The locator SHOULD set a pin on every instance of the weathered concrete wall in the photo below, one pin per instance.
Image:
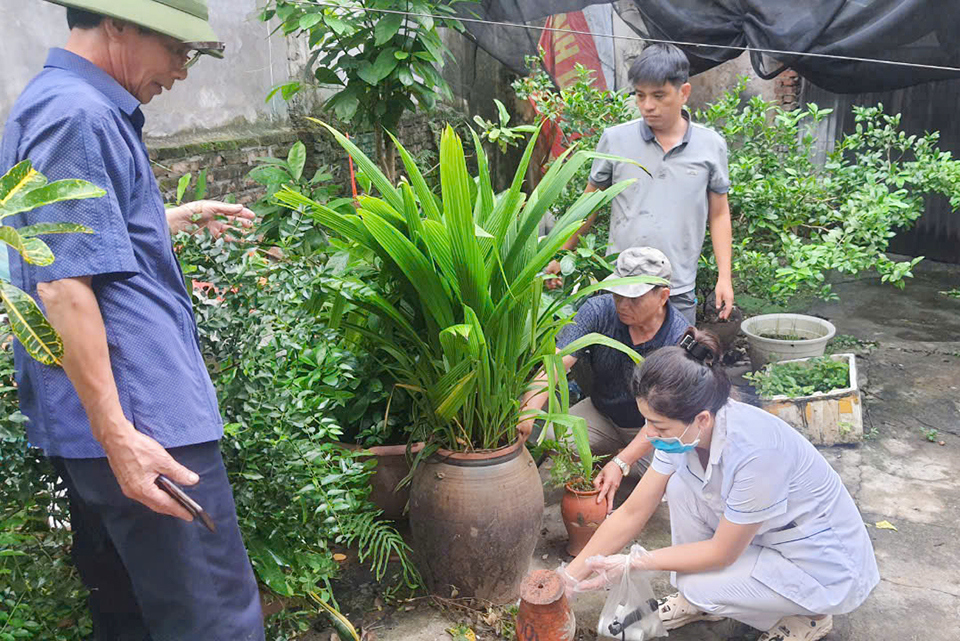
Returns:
(710, 85)
(223, 95)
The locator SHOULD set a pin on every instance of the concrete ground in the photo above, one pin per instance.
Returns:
(911, 388)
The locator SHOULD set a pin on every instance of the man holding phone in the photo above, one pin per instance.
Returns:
(133, 401)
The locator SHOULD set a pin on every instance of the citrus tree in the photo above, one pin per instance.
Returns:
(23, 189)
(796, 221)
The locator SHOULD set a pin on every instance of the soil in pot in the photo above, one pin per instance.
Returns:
(581, 515)
(782, 337)
(475, 520)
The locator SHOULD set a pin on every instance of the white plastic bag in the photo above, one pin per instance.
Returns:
(631, 612)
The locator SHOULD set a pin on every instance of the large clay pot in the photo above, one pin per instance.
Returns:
(581, 515)
(475, 520)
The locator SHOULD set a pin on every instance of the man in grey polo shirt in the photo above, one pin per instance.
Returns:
(687, 186)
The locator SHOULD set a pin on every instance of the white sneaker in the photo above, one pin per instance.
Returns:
(676, 612)
(799, 628)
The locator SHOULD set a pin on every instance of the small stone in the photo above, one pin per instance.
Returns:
(942, 443)
(547, 556)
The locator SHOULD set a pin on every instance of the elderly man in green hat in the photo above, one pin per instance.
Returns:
(133, 404)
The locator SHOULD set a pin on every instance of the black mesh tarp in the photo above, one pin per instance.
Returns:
(925, 32)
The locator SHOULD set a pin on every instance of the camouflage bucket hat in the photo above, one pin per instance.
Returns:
(638, 261)
(184, 20)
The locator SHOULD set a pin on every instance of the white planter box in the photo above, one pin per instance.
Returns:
(825, 418)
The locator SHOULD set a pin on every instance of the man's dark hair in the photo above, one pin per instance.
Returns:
(659, 64)
(80, 19)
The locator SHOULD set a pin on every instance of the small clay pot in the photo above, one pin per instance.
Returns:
(544, 614)
(582, 515)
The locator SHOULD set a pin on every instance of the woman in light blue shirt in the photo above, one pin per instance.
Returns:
(763, 529)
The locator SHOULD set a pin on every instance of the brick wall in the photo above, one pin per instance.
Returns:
(787, 89)
(229, 160)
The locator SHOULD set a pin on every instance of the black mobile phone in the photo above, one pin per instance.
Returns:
(188, 503)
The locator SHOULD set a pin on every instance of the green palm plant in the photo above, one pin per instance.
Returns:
(459, 314)
(23, 189)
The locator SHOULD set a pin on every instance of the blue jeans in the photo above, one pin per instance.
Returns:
(154, 577)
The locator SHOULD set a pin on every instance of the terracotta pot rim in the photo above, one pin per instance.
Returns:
(394, 450)
(480, 455)
(383, 450)
(592, 492)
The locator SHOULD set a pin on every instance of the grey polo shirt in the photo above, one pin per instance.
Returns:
(667, 210)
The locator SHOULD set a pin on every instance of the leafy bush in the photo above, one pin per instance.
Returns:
(383, 64)
(821, 374)
(23, 189)
(289, 387)
(41, 596)
(282, 377)
(795, 221)
(580, 112)
(276, 224)
(573, 465)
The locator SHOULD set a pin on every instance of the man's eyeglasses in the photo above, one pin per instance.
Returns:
(197, 49)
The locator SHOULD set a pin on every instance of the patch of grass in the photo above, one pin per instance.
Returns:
(848, 343)
(931, 434)
(951, 293)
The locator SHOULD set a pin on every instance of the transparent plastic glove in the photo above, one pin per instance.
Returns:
(570, 584)
(609, 569)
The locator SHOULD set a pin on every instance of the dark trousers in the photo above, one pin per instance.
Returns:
(158, 578)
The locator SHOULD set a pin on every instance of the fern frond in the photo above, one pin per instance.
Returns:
(378, 541)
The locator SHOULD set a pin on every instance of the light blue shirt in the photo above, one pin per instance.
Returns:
(815, 548)
(75, 121)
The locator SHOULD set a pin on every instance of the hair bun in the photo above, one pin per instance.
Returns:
(702, 346)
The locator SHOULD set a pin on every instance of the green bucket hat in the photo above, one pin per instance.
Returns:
(184, 20)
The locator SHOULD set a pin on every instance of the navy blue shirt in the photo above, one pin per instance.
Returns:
(613, 370)
(75, 121)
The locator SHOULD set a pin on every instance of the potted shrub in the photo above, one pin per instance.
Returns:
(574, 469)
(818, 396)
(460, 320)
